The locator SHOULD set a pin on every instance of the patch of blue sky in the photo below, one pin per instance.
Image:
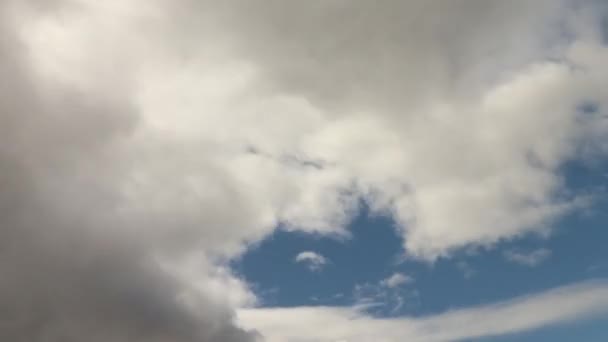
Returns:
(368, 255)
(593, 330)
(357, 266)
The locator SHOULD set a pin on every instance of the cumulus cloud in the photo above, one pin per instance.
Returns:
(84, 259)
(560, 305)
(456, 124)
(146, 142)
(313, 260)
(531, 258)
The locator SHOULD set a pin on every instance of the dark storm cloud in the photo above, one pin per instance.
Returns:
(67, 271)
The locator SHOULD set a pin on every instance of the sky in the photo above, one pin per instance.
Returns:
(303, 171)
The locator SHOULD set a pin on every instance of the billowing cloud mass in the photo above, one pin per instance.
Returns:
(143, 143)
(84, 256)
(453, 118)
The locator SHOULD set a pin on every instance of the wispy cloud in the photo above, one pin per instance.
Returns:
(467, 270)
(396, 280)
(528, 258)
(561, 305)
(387, 296)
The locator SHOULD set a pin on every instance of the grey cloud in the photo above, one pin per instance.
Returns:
(70, 270)
(388, 54)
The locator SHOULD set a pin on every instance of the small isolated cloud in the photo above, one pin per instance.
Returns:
(396, 280)
(314, 261)
(530, 259)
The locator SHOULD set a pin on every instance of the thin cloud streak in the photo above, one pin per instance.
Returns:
(557, 306)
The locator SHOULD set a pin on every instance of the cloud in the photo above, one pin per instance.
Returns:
(351, 99)
(396, 280)
(84, 259)
(531, 259)
(144, 143)
(314, 261)
(389, 296)
(557, 306)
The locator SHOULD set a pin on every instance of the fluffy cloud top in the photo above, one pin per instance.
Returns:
(456, 124)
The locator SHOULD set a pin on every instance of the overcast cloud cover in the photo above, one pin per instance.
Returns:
(145, 143)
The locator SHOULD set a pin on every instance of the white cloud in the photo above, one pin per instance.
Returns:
(313, 260)
(294, 125)
(531, 258)
(557, 306)
(396, 280)
(334, 114)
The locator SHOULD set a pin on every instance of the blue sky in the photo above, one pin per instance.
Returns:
(576, 251)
